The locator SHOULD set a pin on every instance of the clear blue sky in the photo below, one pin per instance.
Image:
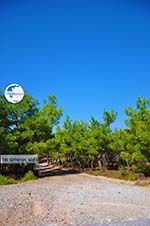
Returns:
(91, 54)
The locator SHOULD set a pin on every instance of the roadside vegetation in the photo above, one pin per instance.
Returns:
(94, 147)
(116, 174)
(5, 180)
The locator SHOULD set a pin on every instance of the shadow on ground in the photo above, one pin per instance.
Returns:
(57, 172)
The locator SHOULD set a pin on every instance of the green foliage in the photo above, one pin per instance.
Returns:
(132, 177)
(80, 142)
(6, 180)
(12, 116)
(28, 176)
(26, 128)
(123, 171)
(109, 117)
(138, 134)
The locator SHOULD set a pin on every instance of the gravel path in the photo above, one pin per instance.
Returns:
(72, 200)
(144, 222)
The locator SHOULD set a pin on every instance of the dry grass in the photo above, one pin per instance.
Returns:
(144, 182)
(115, 174)
(138, 179)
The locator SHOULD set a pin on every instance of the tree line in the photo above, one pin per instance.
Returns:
(26, 128)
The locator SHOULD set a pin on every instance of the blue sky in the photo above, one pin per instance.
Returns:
(91, 54)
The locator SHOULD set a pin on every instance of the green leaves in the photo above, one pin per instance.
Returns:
(109, 117)
(138, 135)
(80, 142)
(26, 128)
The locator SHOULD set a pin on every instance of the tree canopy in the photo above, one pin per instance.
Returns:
(27, 128)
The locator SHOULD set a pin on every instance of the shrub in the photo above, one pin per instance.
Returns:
(123, 171)
(132, 177)
(6, 180)
(28, 176)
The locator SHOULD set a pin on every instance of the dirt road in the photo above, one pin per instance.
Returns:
(72, 200)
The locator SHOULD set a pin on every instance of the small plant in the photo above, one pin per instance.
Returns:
(6, 180)
(123, 171)
(28, 176)
(132, 177)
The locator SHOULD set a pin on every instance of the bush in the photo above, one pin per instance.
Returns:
(6, 180)
(132, 177)
(136, 169)
(123, 171)
(28, 176)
